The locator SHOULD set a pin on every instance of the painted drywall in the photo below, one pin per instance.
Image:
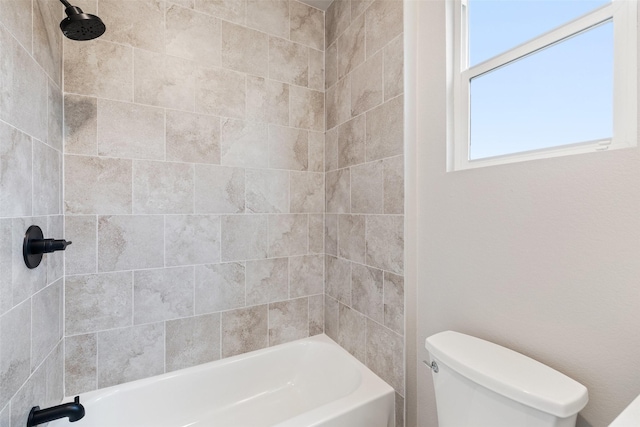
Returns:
(541, 256)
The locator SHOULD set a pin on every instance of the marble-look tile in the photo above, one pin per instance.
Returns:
(192, 341)
(80, 363)
(220, 92)
(394, 302)
(54, 368)
(17, 17)
(338, 103)
(16, 165)
(47, 322)
(337, 19)
(307, 108)
(24, 91)
(15, 350)
(129, 354)
(244, 237)
(307, 192)
(55, 261)
(162, 294)
(359, 6)
(270, 16)
(384, 23)
(230, 10)
(80, 258)
(245, 50)
(316, 233)
(316, 315)
(163, 80)
(55, 115)
(316, 69)
(80, 125)
(130, 130)
(351, 47)
(394, 185)
(192, 138)
(394, 68)
(399, 404)
(191, 239)
(331, 317)
(307, 25)
(194, 36)
(47, 38)
(138, 23)
(288, 61)
(97, 185)
(352, 332)
(306, 275)
(331, 66)
(162, 187)
(351, 142)
(351, 237)
(33, 390)
(5, 416)
(267, 191)
(219, 287)
(267, 280)
(128, 242)
(385, 354)
(288, 321)
(338, 188)
(189, 4)
(338, 278)
(219, 189)
(244, 330)
(244, 144)
(331, 150)
(288, 148)
(367, 192)
(267, 101)
(367, 291)
(316, 151)
(331, 234)
(367, 85)
(384, 130)
(288, 235)
(46, 179)
(99, 68)
(98, 301)
(385, 242)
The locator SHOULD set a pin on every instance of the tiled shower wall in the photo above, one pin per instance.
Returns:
(364, 243)
(194, 185)
(31, 349)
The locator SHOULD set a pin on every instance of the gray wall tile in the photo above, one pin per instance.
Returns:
(385, 242)
(192, 341)
(367, 291)
(220, 92)
(306, 275)
(80, 363)
(129, 354)
(219, 287)
(126, 242)
(16, 161)
(219, 189)
(270, 16)
(307, 25)
(163, 294)
(192, 138)
(288, 235)
(384, 130)
(288, 320)
(192, 239)
(244, 237)
(267, 280)
(15, 348)
(162, 187)
(351, 237)
(307, 192)
(267, 191)
(98, 301)
(80, 125)
(385, 354)
(81, 256)
(194, 36)
(288, 61)
(244, 49)
(244, 330)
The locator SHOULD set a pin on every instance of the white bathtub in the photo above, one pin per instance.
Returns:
(310, 382)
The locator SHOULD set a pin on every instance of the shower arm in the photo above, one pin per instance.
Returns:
(65, 3)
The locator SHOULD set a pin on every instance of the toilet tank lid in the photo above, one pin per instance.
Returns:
(509, 373)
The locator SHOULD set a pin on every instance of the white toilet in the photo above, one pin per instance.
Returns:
(481, 384)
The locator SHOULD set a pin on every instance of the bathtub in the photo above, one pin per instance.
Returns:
(310, 382)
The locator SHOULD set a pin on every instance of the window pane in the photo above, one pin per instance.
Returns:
(560, 95)
(499, 25)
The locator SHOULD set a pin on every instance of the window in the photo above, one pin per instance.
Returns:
(541, 78)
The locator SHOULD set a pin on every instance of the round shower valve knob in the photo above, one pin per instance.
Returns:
(35, 246)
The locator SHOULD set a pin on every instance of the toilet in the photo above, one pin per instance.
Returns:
(481, 384)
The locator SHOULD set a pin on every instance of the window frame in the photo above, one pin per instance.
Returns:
(623, 14)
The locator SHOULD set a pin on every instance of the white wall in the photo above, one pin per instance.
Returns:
(542, 257)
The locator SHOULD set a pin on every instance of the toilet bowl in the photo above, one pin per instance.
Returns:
(481, 384)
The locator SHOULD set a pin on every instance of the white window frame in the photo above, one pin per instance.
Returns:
(623, 14)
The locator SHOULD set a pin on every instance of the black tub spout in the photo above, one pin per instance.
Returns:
(74, 411)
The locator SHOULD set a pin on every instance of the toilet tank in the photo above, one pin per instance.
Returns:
(481, 384)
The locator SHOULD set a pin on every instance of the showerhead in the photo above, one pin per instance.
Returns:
(79, 25)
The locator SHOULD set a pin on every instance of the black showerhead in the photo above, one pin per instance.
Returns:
(79, 25)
